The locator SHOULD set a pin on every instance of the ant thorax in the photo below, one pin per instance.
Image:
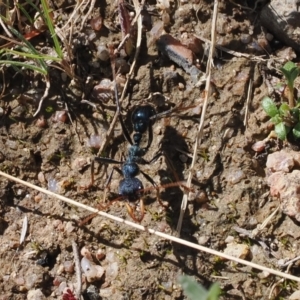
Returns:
(135, 153)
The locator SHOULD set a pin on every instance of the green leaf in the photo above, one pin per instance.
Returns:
(289, 66)
(276, 119)
(294, 74)
(284, 109)
(214, 292)
(24, 65)
(296, 131)
(287, 75)
(281, 130)
(49, 109)
(290, 71)
(269, 107)
(192, 289)
(49, 22)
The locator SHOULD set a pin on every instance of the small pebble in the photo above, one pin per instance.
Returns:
(95, 141)
(41, 122)
(85, 252)
(238, 250)
(11, 144)
(263, 274)
(60, 116)
(38, 198)
(122, 65)
(269, 37)
(236, 176)
(79, 163)
(69, 227)
(280, 161)
(203, 240)
(168, 286)
(259, 146)
(96, 23)
(295, 296)
(53, 185)
(104, 90)
(102, 53)
(111, 271)
(41, 177)
(100, 254)
(181, 86)
(60, 269)
(35, 295)
(58, 280)
(19, 281)
(91, 271)
(183, 158)
(246, 38)
(201, 197)
(69, 266)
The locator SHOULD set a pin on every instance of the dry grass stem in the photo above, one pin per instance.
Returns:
(265, 222)
(152, 231)
(202, 118)
(234, 53)
(77, 269)
(85, 17)
(74, 13)
(249, 94)
(137, 7)
(5, 28)
(46, 93)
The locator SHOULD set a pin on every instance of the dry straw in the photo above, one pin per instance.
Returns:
(203, 113)
(152, 231)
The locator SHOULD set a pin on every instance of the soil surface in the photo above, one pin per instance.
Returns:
(53, 150)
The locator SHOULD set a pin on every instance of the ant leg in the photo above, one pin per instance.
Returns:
(131, 211)
(150, 137)
(156, 187)
(101, 206)
(104, 160)
(125, 130)
(109, 180)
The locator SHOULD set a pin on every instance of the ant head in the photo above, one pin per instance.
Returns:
(141, 117)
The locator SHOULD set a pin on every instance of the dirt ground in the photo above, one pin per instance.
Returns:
(53, 151)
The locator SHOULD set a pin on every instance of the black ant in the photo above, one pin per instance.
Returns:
(130, 187)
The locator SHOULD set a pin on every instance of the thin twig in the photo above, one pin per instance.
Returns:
(234, 53)
(280, 281)
(5, 28)
(265, 223)
(287, 263)
(92, 5)
(248, 102)
(137, 7)
(77, 269)
(152, 231)
(76, 11)
(46, 93)
(202, 118)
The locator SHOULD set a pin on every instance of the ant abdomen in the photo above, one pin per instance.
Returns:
(130, 188)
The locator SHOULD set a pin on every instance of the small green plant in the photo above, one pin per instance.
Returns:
(194, 291)
(286, 118)
(34, 60)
